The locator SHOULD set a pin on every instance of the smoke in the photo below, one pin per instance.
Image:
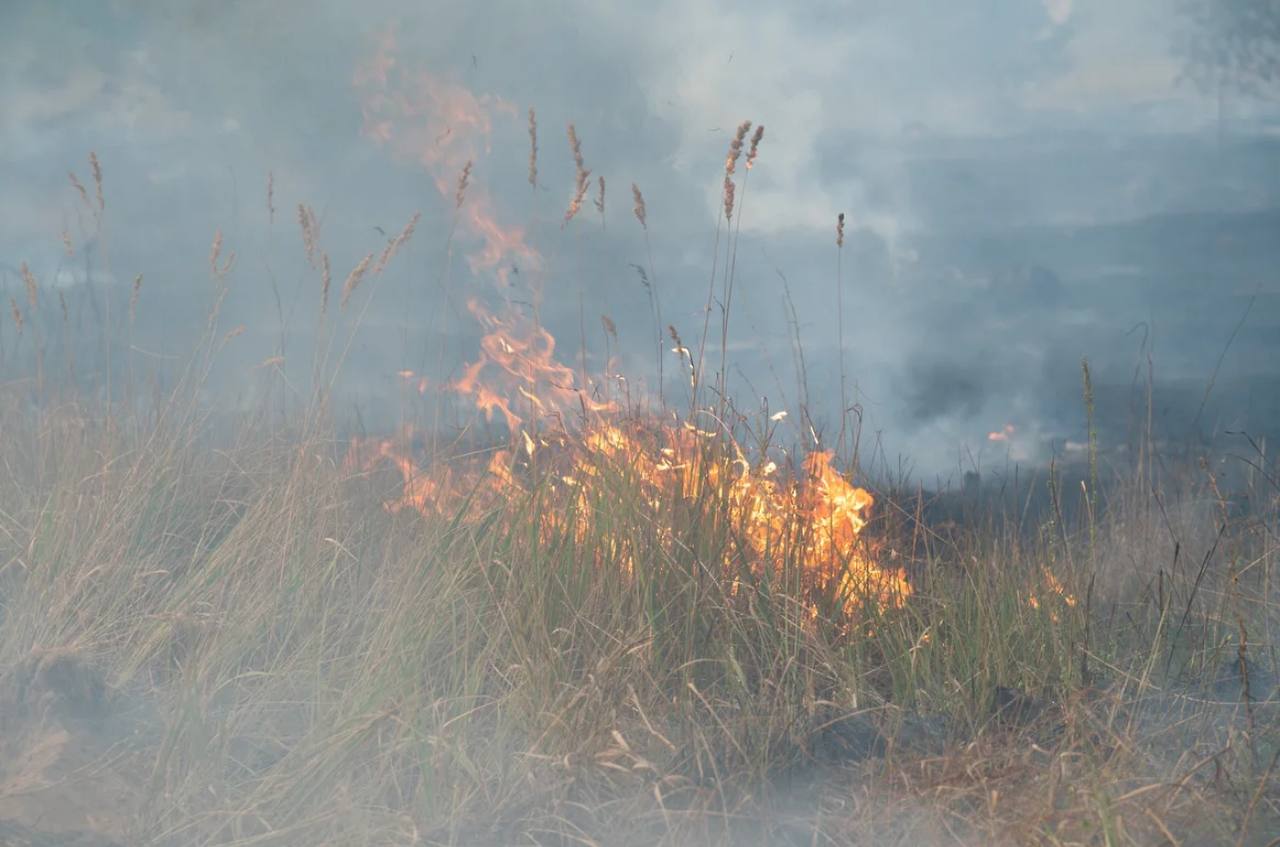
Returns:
(1040, 190)
(941, 389)
(1059, 11)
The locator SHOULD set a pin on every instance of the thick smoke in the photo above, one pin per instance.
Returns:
(1042, 189)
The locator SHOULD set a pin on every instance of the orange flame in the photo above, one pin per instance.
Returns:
(1002, 434)
(442, 126)
(815, 519)
(1054, 590)
(518, 356)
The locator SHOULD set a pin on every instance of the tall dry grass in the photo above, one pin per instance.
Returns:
(282, 661)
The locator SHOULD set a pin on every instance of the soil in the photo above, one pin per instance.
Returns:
(67, 776)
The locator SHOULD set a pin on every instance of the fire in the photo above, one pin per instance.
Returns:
(518, 357)
(441, 125)
(1004, 434)
(1054, 590)
(815, 519)
(569, 445)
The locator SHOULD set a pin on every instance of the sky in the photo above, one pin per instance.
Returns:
(1026, 184)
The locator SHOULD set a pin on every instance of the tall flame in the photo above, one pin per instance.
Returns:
(445, 128)
(442, 126)
(567, 440)
(518, 357)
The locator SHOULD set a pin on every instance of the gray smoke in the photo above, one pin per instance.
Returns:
(1025, 187)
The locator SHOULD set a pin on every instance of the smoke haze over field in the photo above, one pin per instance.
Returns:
(1026, 184)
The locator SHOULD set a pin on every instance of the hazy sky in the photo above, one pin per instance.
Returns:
(1025, 182)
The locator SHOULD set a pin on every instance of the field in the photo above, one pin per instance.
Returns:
(631, 619)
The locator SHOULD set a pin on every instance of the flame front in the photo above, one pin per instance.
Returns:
(813, 520)
(571, 454)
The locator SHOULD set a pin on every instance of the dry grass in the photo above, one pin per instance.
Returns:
(311, 669)
(533, 149)
(397, 242)
(581, 176)
(353, 279)
(211, 632)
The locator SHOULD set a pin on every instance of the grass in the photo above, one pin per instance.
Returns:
(265, 655)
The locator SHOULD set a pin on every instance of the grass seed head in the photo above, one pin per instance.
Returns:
(735, 148)
(33, 288)
(79, 187)
(533, 149)
(307, 223)
(755, 146)
(394, 245)
(96, 167)
(639, 207)
(464, 179)
(582, 177)
(353, 279)
(325, 278)
(215, 250)
(271, 193)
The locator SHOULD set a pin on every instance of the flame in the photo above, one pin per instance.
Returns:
(567, 441)
(518, 358)
(1054, 590)
(815, 519)
(445, 128)
(442, 126)
(1002, 434)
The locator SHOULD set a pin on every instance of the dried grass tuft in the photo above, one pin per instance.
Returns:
(33, 287)
(394, 245)
(97, 180)
(731, 165)
(271, 194)
(533, 149)
(464, 179)
(215, 251)
(582, 178)
(307, 222)
(729, 190)
(840, 230)
(639, 207)
(325, 278)
(735, 148)
(353, 279)
(756, 138)
(79, 187)
(17, 314)
(600, 197)
(643, 274)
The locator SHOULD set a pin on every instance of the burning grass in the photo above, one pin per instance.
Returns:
(277, 658)
(679, 482)
(616, 625)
